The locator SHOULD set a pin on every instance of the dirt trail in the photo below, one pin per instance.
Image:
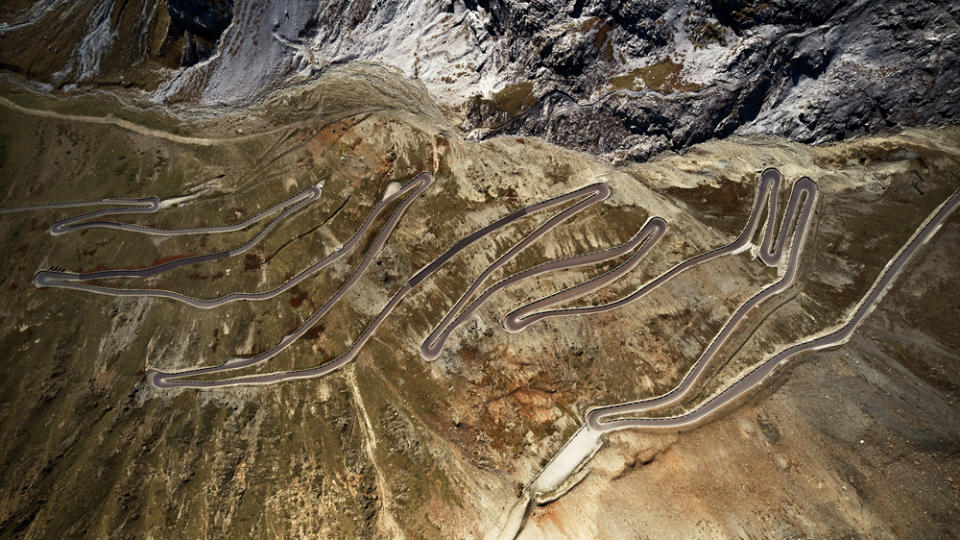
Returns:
(143, 130)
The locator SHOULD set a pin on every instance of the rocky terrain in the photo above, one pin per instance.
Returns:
(624, 79)
(246, 104)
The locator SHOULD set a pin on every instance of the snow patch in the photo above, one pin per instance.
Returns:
(85, 60)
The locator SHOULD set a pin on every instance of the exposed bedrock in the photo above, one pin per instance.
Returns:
(683, 73)
(200, 23)
(662, 75)
(810, 71)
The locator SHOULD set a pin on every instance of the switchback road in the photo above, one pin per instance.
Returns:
(774, 247)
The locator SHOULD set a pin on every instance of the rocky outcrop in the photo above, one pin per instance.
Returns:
(624, 79)
(200, 24)
(669, 78)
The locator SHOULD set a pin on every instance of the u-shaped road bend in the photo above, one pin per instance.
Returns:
(767, 191)
(804, 190)
(647, 237)
(308, 195)
(70, 280)
(642, 242)
(148, 205)
(74, 281)
(756, 376)
(145, 205)
(589, 195)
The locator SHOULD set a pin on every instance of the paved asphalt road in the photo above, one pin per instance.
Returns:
(805, 192)
(69, 280)
(589, 195)
(767, 190)
(756, 376)
(771, 251)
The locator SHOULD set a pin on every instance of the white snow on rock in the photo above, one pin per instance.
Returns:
(263, 44)
(85, 60)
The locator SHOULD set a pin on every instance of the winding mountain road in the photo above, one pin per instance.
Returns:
(754, 377)
(70, 280)
(771, 253)
(586, 197)
(582, 444)
(776, 245)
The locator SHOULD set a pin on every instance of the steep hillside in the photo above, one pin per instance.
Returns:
(392, 445)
